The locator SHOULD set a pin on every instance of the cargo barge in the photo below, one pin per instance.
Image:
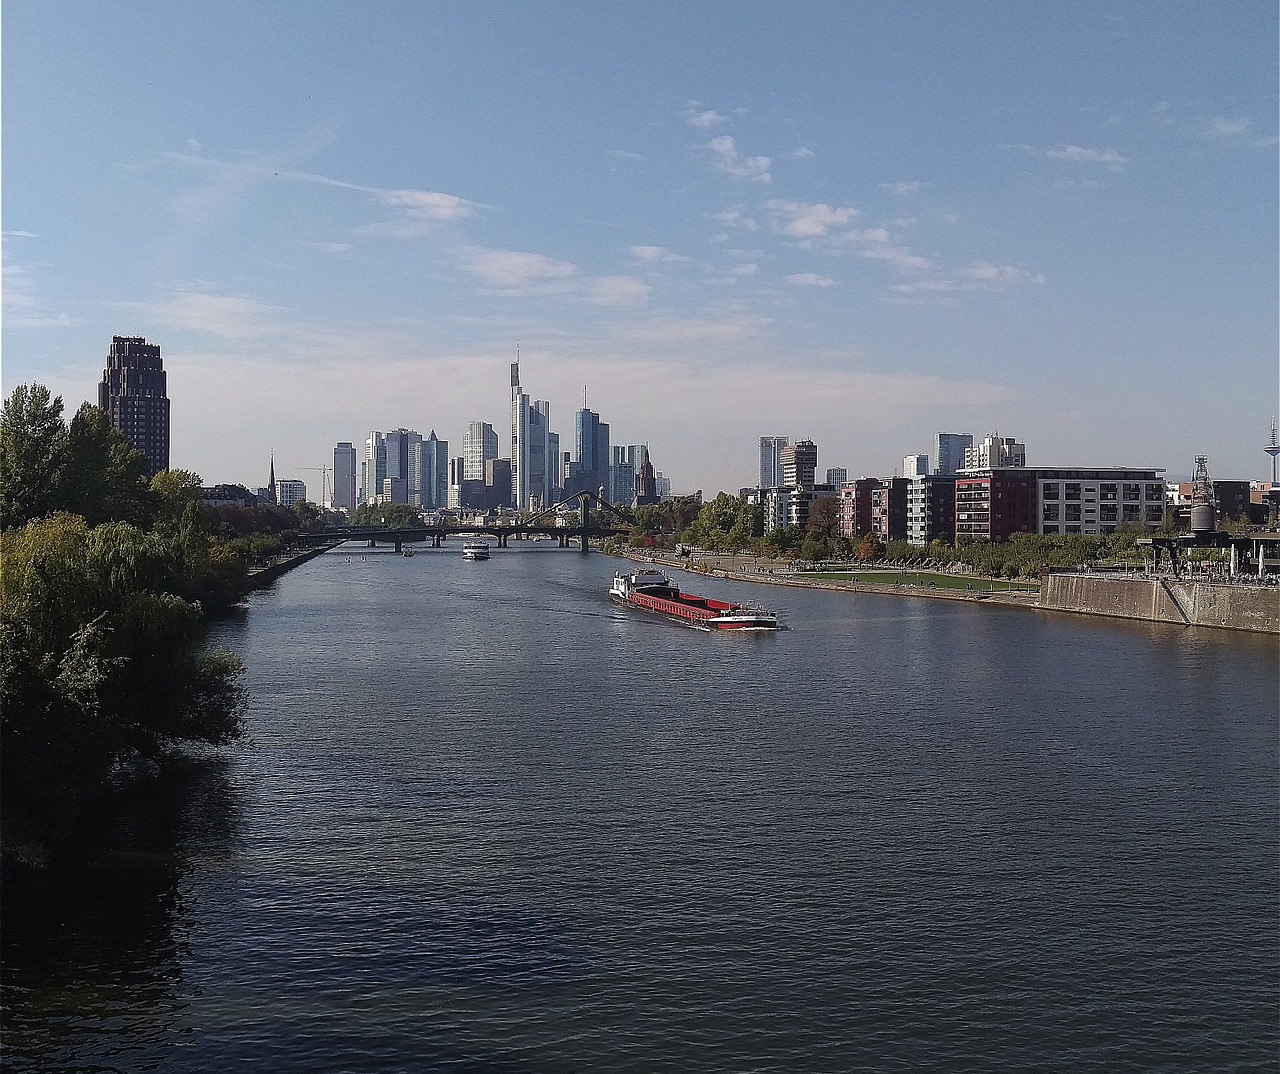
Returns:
(652, 590)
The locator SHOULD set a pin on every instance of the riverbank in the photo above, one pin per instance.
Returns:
(1254, 609)
(773, 572)
(267, 573)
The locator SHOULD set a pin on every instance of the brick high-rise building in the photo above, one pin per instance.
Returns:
(133, 394)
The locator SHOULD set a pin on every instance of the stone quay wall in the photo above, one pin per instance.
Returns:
(1165, 600)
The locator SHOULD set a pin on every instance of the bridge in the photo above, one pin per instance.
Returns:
(502, 531)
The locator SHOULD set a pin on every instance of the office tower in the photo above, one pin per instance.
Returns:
(497, 483)
(344, 477)
(401, 449)
(837, 475)
(373, 468)
(591, 446)
(948, 452)
(994, 451)
(132, 393)
(429, 460)
(771, 461)
(915, 466)
(799, 461)
(479, 445)
(534, 449)
(622, 476)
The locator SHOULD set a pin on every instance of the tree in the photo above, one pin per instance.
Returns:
(33, 441)
(100, 661)
(824, 517)
(105, 477)
(870, 547)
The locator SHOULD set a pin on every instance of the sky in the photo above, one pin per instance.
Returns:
(859, 223)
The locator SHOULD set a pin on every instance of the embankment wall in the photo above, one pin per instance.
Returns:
(1163, 600)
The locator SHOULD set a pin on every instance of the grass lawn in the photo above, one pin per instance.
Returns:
(923, 580)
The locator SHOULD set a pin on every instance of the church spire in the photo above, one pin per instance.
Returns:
(271, 481)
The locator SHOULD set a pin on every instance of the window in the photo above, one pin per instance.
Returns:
(1073, 490)
(1107, 492)
(1051, 514)
(1155, 492)
(1073, 514)
(1132, 492)
(1051, 490)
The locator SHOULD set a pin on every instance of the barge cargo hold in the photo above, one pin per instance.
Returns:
(652, 590)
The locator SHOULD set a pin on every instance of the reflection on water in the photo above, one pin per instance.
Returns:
(492, 822)
(94, 945)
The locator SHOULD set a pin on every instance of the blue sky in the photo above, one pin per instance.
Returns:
(860, 223)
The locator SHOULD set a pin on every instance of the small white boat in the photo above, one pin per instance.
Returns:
(475, 550)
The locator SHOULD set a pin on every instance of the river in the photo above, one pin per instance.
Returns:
(490, 822)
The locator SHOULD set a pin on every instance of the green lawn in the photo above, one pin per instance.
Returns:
(923, 580)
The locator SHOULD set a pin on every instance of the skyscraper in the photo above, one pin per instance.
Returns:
(534, 449)
(344, 477)
(799, 462)
(133, 394)
(771, 461)
(479, 445)
(948, 452)
(373, 468)
(995, 451)
(429, 460)
(591, 441)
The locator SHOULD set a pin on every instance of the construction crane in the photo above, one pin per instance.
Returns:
(326, 489)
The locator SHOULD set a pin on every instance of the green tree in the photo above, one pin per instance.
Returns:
(105, 477)
(824, 517)
(33, 442)
(100, 662)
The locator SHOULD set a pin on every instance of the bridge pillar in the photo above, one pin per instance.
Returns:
(372, 543)
(435, 540)
(502, 540)
(399, 546)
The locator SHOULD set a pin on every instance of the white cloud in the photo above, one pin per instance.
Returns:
(736, 217)
(653, 254)
(901, 259)
(1228, 128)
(623, 154)
(618, 291)
(810, 279)
(427, 204)
(903, 187)
(511, 270)
(703, 118)
(22, 309)
(1076, 154)
(803, 153)
(807, 220)
(325, 247)
(725, 327)
(748, 269)
(726, 157)
(235, 318)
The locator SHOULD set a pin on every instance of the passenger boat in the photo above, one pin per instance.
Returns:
(650, 589)
(475, 550)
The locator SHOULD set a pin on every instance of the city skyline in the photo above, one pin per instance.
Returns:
(856, 224)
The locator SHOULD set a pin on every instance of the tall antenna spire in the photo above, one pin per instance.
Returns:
(1273, 449)
(584, 397)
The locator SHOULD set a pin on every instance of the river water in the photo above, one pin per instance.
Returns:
(490, 822)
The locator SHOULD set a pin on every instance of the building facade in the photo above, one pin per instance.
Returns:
(837, 476)
(993, 452)
(771, 461)
(534, 449)
(344, 477)
(290, 491)
(948, 452)
(799, 464)
(479, 445)
(931, 509)
(133, 393)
